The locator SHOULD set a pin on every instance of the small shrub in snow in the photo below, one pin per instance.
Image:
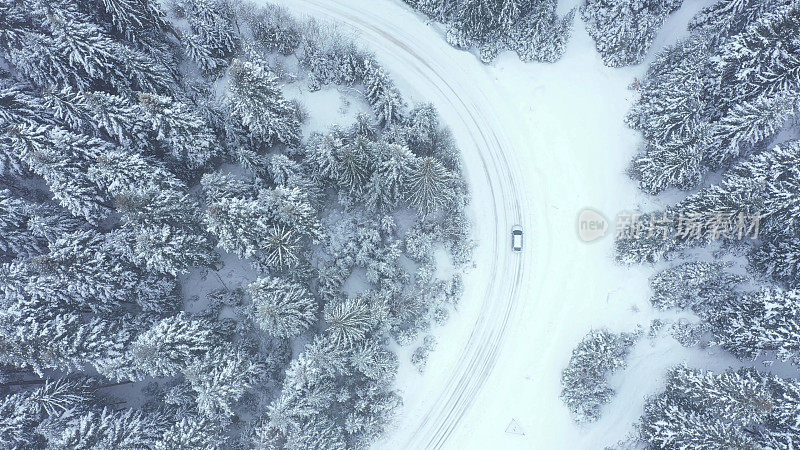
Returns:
(420, 356)
(688, 334)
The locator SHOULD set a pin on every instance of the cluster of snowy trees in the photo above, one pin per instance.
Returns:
(730, 108)
(720, 95)
(718, 112)
(623, 30)
(730, 409)
(146, 145)
(749, 323)
(530, 28)
(584, 384)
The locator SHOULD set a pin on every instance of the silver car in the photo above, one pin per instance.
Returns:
(516, 238)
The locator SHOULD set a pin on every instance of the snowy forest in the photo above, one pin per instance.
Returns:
(623, 30)
(224, 226)
(718, 112)
(187, 261)
(530, 28)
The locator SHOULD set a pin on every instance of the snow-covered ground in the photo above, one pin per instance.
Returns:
(540, 142)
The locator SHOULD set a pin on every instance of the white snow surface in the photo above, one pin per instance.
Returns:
(540, 142)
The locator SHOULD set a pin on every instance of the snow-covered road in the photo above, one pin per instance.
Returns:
(540, 142)
(496, 182)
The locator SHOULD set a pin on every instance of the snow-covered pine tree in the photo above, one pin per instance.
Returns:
(764, 185)
(51, 222)
(420, 356)
(79, 272)
(529, 27)
(712, 99)
(119, 171)
(349, 320)
(218, 185)
(275, 29)
(375, 412)
(540, 35)
(43, 341)
(17, 239)
(424, 135)
(62, 159)
(305, 412)
(65, 48)
(107, 116)
(319, 433)
(236, 224)
(291, 208)
(477, 20)
(624, 30)
(390, 179)
(256, 100)
(353, 164)
(162, 228)
(288, 173)
(764, 59)
(281, 248)
(137, 20)
(270, 230)
(252, 161)
(127, 428)
(439, 10)
(758, 71)
(221, 379)
(186, 134)
(171, 345)
(330, 57)
(673, 112)
(282, 307)
(758, 195)
(192, 433)
(308, 391)
(429, 185)
(729, 17)
(211, 38)
(29, 417)
(19, 104)
(748, 124)
(381, 94)
(321, 155)
(779, 257)
(375, 361)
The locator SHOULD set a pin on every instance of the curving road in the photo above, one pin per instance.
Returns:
(495, 182)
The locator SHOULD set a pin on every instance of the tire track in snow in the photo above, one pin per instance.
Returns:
(501, 296)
